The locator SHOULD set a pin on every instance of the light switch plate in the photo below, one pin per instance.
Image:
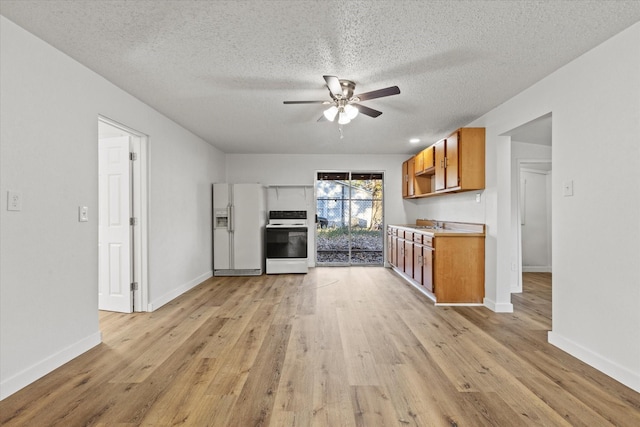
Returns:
(14, 200)
(83, 214)
(567, 188)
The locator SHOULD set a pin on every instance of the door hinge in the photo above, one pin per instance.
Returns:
(134, 286)
(133, 221)
(133, 156)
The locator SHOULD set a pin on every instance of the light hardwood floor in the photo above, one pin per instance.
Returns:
(335, 347)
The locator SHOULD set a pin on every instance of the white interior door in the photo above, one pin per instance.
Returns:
(114, 230)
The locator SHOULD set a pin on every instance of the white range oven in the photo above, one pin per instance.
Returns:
(286, 242)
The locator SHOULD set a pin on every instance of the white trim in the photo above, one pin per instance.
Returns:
(460, 304)
(498, 308)
(536, 269)
(617, 372)
(43, 367)
(162, 300)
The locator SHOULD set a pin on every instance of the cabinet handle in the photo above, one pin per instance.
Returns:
(446, 162)
(441, 163)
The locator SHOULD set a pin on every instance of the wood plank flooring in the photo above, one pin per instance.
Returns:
(336, 347)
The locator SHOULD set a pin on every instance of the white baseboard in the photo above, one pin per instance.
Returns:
(536, 269)
(498, 307)
(619, 373)
(42, 368)
(162, 300)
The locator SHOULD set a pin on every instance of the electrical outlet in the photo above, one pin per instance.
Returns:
(478, 198)
(14, 200)
(83, 214)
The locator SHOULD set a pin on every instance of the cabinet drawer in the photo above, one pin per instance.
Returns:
(408, 235)
(417, 237)
(427, 241)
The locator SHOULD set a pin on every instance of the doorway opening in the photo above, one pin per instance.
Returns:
(349, 206)
(122, 218)
(531, 210)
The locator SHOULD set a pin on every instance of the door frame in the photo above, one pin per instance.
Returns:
(315, 207)
(140, 209)
(522, 167)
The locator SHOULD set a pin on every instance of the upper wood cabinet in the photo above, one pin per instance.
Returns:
(405, 178)
(408, 178)
(425, 161)
(419, 163)
(453, 164)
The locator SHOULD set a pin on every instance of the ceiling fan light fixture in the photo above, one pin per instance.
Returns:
(331, 112)
(351, 111)
(343, 118)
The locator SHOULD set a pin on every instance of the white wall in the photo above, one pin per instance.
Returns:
(49, 261)
(595, 101)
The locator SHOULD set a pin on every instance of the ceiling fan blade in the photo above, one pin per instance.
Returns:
(305, 102)
(388, 91)
(322, 119)
(333, 83)
(367, 111)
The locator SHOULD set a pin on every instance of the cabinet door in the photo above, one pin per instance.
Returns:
(411, 176)
(427, 269)
(394, 250)
(428, 159)
(417, 263)
(408, 258)
(440, 170)
(419, 163)
(451, 161)
(405, 178)
(400, 256)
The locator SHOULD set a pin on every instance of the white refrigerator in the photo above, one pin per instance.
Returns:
(239, 217)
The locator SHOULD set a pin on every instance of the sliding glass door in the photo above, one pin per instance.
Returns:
(350, 221)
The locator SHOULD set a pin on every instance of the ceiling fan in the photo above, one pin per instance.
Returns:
(344, 104)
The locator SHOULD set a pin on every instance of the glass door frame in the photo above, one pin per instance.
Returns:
(350, 200)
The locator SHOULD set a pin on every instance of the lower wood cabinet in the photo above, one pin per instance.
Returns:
(447, 266)
(392, 246)
(408, 253)
(423, 262)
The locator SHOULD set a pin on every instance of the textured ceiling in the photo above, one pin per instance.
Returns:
(222, 68)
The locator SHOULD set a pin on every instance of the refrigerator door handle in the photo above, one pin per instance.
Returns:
(230, 213)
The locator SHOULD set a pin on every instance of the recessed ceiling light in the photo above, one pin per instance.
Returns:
(414, 140)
